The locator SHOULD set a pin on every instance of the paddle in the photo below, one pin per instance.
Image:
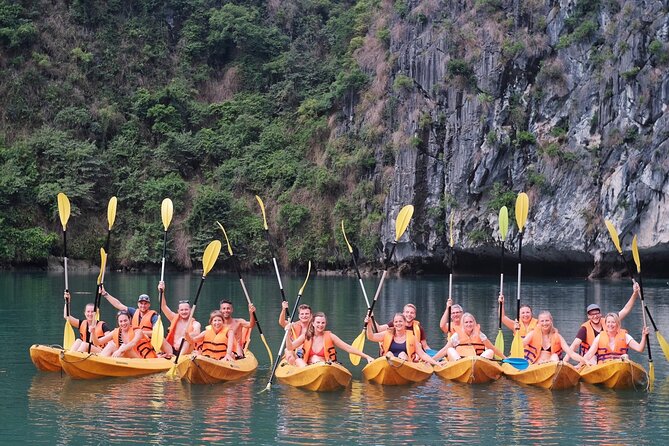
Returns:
(503, 230)
(285, 334)
(246, 293)
(450, 276)
(208, 259)
(518, 363)
(637, 261)
(271, 248)
(103, 262)
(158, 332)
(401, 224)
(355, 359)
(614, 237)
(522, 208)
(64, 214)
(111, 217)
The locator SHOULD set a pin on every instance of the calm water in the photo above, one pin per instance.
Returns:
(52, 409)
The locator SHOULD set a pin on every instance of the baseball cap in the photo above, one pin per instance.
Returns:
(592, 307)
(144, 298)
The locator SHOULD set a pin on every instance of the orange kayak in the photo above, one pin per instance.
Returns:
(46, 357)
(395, 371)
(616, 374)
(549, 375)
(469, 370)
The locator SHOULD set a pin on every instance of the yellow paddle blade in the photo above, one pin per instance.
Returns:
(111, 212)
(157, 335)
(651, 374)
(663, 344)
(264, 216)
(343, 231)
(210, 255)
(226, 238)
(635, 254)
(522, 209)
(402, 222)
(166, 212)
(63, 210)
(103, 264)
(614, 235)
(306, 279)
(172, 372)
(450, 229)
(517, 346)
(358, 343)
(68, 336)
(503, 222)
(499, 341)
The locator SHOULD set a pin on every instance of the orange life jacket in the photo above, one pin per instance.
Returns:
(534, 348)
(410, 344)
(415, 328)
(145, 322)
(470, 345)
(589, 337)
(604, 352)
(172, 330)
(525, 329)
(83, 330)
(143, 347)
(215, 345)
(330, 353)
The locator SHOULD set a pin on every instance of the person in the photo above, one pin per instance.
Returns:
(216, 341)
(525, 325)
(593, 326)
(613, 342)
(399, 342)
(125, 340)
(296, 328)
(84, 343)
(409, 312)
(241, 327)
(178, 324)
(320, 345)
(468, 340)
(545, 344)
(456, 318)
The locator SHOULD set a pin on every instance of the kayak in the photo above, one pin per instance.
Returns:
(46, 357)
(396, 372)
(549, 375)
(318, 377)
(198, 369)
(80, 365)
(616, 374)
(469, 370)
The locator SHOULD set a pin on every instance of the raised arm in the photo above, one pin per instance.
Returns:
(443, 322)
(163, 304)
(73, 320)
(506, 320)
(112, 300)
(283, 314)
(639, 346)
(636, 290)
(374, 337)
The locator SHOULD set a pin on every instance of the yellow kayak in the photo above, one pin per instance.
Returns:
(46, 357)
(616, 374)
(80, 365)
(197, 369)
(549, 375)
(319, 377)
(469, 370)
(396, 372)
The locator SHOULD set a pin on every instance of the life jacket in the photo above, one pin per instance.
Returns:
(525, 329)
(143, 347)
(145, 322)
(330, 353)
(533, 349)
(171, 334)
(215, 345)
(83, 330)
(415, 328)
(410, 344)
(470, 345)
(589, 337)
(604, 352)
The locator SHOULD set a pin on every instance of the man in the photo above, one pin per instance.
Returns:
(409, 313)
(86, 326)
(241, 327)
(456, 318)
(304, 315)
(179, 324)
(593, 326)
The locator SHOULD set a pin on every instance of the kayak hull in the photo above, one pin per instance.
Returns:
(197, 369)
(80, 365)
(396, 372)
(549, 375)
(319, 377)
(616, 374)
(470, 370)
(46, 357)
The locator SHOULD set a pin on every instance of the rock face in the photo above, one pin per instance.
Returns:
(565, 100)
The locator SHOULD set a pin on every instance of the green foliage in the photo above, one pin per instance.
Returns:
(631, 73)
(658, 50)
(501, 196)
(30, 245)
(402, 83)
(478, 236)
(16, 31)
(525, 138)
(460, 67)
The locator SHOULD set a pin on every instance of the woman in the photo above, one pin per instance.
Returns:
(86, 327)
(468, 341)
(319, 344)
(545, 344)
(525, 325)
(125, 341)
(215, 340)
(399, 342)
(614, 342)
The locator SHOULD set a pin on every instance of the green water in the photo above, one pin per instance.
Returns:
(48, 408)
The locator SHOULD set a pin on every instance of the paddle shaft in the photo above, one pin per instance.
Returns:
(362, 287)
(162, 274)
(520, 261)
(501, 285)
(644, 309)
(283, 342)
